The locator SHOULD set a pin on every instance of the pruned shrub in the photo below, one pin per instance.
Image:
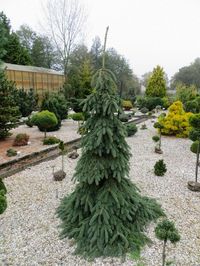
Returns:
(21, 139)
(127, 105)
(57, 104)
(160, 168)
(155, 138)
(176, 122)
(76, 116)
(194, 146)
(11, 152)
(123, 117)
(131, 129)
(44, 120)
(166, 231)
(50, 140)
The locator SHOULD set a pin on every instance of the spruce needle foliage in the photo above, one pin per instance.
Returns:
(106, 215)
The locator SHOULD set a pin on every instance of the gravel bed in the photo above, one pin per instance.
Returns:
(29, 227)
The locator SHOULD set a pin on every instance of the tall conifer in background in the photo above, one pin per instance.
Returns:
(9, 112)
(105, 214)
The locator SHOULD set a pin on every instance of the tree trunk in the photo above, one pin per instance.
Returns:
(163, 254)
(62, 162)
(197, 162)
(160, 141)
(45, 134)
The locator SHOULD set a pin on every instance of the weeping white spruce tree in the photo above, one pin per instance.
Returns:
(106, 215)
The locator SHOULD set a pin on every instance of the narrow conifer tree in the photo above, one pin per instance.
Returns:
(106, 215)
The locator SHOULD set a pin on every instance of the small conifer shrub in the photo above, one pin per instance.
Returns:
(131, 129)
(127, 105)
(11, 152)
(51, 140)
(123, 117)
(21, 139)
(166, 231)
(155, 138)
(160, 168)
(44, 120)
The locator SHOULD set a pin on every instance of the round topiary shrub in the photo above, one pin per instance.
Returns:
(155, 138)
(44, 120)
(131, 129)
(50, 140)
(21, 139)
(194, 146)
(160, 168)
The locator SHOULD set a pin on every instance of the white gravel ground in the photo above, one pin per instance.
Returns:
(28, 228)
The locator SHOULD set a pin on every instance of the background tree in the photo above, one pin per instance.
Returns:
(4, 34)
(65, 21)
(156, 85)
(40, 48)
(9, 112)
(188, 75)
(13, 51)
(105, 214)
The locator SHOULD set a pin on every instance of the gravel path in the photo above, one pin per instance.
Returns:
(28, 228)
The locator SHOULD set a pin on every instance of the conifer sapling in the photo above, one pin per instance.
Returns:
(160, 168)
(105, 215)
(165, 231)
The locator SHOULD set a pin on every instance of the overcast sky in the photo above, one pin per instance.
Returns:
(146, 32)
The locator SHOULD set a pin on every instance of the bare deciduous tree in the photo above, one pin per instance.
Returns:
(65, 22)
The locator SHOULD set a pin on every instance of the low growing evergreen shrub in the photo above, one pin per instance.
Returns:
(11, 152)
(160, 168)
(77, 116)
(50, 140)
(176, 122)
(127, 105)
(131, 129)
(21, 139)
(123, 117)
